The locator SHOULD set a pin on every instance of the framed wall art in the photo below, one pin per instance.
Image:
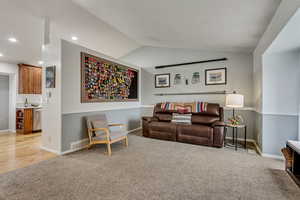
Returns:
(50, 76)
(106, 81)
(162, 80)
(216, 76)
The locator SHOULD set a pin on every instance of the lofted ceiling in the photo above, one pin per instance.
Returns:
(24, 20)
(115, 27)
(227, 25)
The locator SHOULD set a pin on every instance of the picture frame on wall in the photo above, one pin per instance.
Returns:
(50, 76)
(217, 76)
(162, 80)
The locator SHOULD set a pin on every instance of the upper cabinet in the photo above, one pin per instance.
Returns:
(30, 79)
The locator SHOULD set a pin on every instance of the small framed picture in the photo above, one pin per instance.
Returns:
(50, 77)
(216, 76)
(162, 80)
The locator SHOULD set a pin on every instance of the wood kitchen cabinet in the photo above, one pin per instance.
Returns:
(30, 79)
(24, 121)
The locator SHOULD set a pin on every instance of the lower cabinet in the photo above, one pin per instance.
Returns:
(24, 120)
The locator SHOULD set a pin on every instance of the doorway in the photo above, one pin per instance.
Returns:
(4, 105)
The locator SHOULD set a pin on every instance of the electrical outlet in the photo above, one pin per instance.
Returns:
(49, 139)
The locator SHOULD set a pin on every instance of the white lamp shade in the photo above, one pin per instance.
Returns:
(235, 100)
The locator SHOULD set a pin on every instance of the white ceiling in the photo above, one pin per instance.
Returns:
(17, 22)
(230, 25)
(24, 19)
(288, 38)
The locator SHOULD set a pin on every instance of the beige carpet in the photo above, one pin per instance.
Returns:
(151, 169)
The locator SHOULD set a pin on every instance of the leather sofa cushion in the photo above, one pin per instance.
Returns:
(204, 119)
(163, 127)
(195, 130)
(212, 109)
(165, 117)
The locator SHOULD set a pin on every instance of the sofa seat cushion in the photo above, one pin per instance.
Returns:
(204, 119)
(164, 117)
(195, 130)
(163, 127)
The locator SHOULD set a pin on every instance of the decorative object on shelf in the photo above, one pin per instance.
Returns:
(216, 76)
(234, 101)
(50, 76)
(196, 78)
(162, 80)
(177, 79)
(105, 81)
(236, 120)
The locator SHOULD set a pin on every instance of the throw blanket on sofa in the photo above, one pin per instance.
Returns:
(194, 107)
(182, 118)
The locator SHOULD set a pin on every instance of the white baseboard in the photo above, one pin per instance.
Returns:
(136, 129)
(7, 131)
(277, 157)
(241, 139)
(50, 150)
(81, 144)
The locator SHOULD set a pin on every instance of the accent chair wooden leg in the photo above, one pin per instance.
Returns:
(89, 146)
(109, 149)
(126, 141)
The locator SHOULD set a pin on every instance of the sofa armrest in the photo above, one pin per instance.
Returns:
(149, 119)
(145, 124)
(218, 123)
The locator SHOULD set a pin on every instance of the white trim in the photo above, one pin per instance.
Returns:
(50, 150)
(133, 130)
(148, 106)
(105, 109)
(86, 140)
(241, 139)
(4, 131)
(281, 114)
(243, 108)
(257, 147)
(277, 157)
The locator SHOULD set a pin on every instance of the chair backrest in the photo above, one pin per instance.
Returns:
(96, 121)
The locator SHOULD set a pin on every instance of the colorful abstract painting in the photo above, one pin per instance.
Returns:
(103, 80)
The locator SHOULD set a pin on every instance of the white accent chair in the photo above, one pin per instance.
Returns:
(100, 133)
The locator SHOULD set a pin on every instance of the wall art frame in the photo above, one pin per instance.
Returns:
(162, 80)
(216, 76)
(50, 76)
(103, 80)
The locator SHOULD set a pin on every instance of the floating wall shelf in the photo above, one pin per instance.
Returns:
(196, 93)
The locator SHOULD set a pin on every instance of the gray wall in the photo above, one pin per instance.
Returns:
(4, 105)
(74, 125)
(73, 111)
(239, 73)
(277, 129)
(71, 79)
(281, 80)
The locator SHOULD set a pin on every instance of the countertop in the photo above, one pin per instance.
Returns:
(29, 107)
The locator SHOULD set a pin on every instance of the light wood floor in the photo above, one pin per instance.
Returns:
(17, 151)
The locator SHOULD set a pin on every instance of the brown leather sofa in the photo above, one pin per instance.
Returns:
(207, 128)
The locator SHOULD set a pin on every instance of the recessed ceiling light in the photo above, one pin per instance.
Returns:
(74, 38)
(12, 39)
(41, 62)
(1, 54)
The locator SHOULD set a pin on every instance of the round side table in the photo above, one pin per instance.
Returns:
(235, 135)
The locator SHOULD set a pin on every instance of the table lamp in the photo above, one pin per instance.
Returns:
(234, 101)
